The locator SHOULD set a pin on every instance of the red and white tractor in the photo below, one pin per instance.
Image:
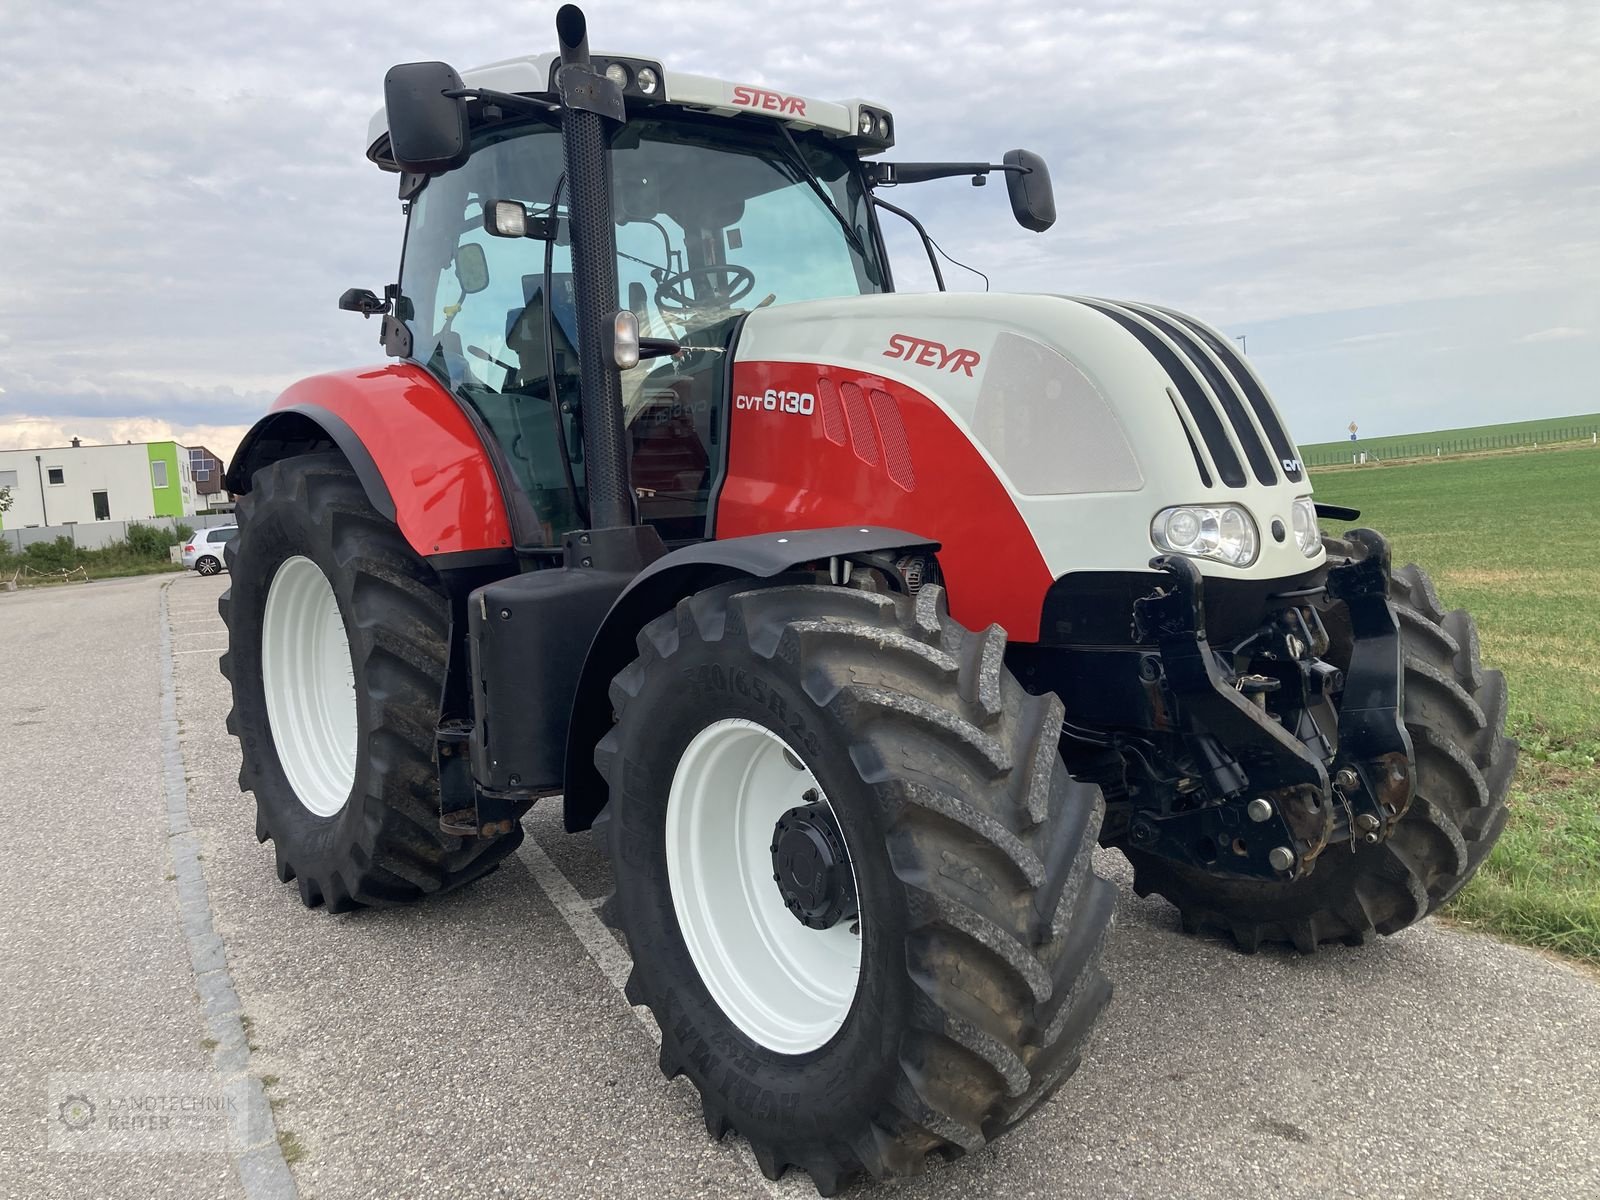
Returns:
(850, 621)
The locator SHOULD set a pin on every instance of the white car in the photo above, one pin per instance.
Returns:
(203, 552)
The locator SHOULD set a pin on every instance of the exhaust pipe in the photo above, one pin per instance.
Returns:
(588, 102)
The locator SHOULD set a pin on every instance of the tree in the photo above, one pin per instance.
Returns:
(5, 499)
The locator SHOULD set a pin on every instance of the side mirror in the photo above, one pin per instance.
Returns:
(363, 301)
(428, 132)
(1033, 201)
(472, 268)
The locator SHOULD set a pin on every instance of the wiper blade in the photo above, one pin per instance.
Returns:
(803, 169)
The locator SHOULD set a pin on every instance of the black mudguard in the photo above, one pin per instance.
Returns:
(660, 586)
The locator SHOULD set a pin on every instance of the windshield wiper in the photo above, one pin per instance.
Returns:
(807, 175)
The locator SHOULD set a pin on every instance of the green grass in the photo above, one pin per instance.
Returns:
(1468, 440)
(1515, 539)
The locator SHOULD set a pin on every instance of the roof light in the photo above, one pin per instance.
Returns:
(618, 74)
(647, 81)
(866, 123)
(883, 127)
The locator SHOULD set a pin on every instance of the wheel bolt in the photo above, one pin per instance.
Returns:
(1259, 810)
(1346, 780)
(1281, 858)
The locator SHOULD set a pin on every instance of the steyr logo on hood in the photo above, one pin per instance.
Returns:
(931, 354)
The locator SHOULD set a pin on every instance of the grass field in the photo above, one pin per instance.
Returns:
(1468, 440)
(1515, 539)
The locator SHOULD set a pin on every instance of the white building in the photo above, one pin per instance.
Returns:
(77, 484)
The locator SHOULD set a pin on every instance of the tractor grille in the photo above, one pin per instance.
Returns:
(1224, 403)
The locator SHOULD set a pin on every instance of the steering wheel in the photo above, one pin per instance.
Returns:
(671, 296)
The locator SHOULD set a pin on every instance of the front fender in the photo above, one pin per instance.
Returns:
(411, 444)
(656, 590)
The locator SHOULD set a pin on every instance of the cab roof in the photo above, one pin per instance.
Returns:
(534, 75)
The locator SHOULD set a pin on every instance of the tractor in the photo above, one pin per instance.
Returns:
(849, 621)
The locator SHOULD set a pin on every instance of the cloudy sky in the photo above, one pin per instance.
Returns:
(1396, 201)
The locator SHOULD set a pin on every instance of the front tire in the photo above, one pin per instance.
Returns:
(980, 920)
(1455, 712)
(337, 647)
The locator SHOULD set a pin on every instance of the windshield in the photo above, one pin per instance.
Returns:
(714, 218)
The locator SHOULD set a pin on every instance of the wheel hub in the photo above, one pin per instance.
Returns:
(812, 868)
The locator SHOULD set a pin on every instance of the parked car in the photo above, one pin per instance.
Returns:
(203, 552)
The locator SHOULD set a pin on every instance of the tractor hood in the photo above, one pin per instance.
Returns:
(1095, 415)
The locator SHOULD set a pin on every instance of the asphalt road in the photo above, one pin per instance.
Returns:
(479, 1045)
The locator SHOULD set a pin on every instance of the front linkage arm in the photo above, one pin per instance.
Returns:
(1374, 767)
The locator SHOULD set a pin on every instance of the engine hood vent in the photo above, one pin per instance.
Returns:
(1241, 432)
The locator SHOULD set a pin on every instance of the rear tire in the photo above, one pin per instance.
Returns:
(381, 844)
(207, 566)
(981, 922)
(1455, 712)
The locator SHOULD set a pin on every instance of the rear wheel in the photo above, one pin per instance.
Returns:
(1455, 712)
(207, 565)
(854, 877)
(337, 641)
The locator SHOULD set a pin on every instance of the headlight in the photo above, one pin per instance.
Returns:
(618, 74)
(1225, 533)
(647, 81)
(1306, 534)
(866, 123)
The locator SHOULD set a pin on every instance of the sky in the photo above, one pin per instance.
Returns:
(1395, 202)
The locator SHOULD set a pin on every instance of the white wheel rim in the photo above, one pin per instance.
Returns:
(786, 986)
(310, 686)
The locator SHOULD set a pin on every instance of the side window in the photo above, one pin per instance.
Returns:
(475, 306)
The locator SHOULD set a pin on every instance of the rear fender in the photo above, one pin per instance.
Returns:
(656, 590)
(416, 451)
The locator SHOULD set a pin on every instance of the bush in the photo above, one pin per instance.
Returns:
(146, 541)
(181, 533)
(57, 555)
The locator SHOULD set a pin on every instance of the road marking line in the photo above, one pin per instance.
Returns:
(614, 964)
(253, 1134)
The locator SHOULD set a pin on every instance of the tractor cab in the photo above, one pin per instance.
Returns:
(724, 198)
(713, 219)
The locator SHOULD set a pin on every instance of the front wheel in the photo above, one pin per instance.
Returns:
(854, 877)
(337, 645)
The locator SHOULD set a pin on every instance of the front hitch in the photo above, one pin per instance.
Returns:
(1285, 795)
(1274, 786)
(1373, 772)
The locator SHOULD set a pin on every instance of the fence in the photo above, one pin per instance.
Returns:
(96, 535)
(1382, 449)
